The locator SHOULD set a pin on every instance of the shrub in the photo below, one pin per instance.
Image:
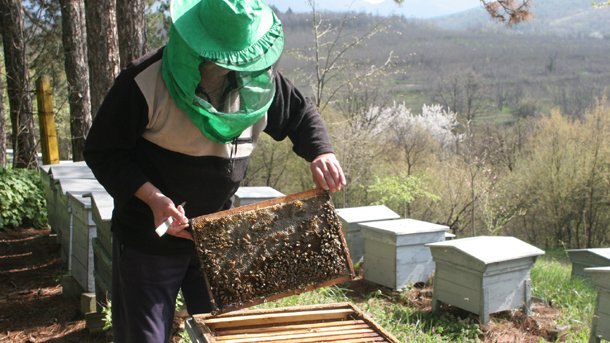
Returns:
(21, 199)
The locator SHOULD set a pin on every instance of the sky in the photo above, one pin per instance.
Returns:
(409, 8)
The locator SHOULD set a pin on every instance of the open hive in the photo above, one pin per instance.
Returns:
(340, 322)
(268, 250)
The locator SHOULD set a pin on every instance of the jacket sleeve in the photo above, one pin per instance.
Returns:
(295, 116)
(111, 141)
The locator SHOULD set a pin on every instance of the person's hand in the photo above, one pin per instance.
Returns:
(327, 172)
(163, 208)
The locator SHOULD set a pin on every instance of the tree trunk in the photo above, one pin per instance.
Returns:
(2, 133)
(74, 40)
(18, 85)
(103, 48)
(132, 35)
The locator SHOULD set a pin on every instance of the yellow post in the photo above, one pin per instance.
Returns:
(48, 134)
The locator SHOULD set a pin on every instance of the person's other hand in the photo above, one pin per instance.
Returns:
(327, 172)
(163, 208)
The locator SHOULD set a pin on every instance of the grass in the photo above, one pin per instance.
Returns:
(552, 283)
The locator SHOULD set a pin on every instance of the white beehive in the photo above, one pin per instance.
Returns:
(600, 325)
(81, 250)
(102, 272)
(395, 254)
(483, 275)
(351, 217)
(102, 205)
(49, 175)
(63, 208)
(249, 195)
(588, 258)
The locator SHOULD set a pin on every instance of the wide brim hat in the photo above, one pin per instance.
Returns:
(240, 35)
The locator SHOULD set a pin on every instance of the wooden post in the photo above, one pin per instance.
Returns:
(48, 134)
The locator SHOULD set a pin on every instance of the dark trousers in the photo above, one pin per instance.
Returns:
(144, 291)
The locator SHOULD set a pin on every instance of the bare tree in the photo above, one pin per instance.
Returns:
(74, 40)
(132, 35)
(18, 84)
(103, 48)
(330, 50)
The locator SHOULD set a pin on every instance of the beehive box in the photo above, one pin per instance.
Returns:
(600, 325)
(394, 251)
(250, 195)
(341, 322)
(268, 250)
(102, 272)
(50, 174)
(483, 275)
(102, 206)
(63, 209)
(81, 250)
(351, 217)
(588, 258)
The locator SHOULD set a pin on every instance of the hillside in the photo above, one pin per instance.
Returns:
(510, 70)
(555, 17)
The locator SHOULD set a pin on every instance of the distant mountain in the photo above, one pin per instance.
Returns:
(556, 17)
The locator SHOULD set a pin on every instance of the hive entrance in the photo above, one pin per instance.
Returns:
(271, 249)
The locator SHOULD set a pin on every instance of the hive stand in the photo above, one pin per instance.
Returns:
(351, 217)
(483, 275)
(588, 258)
(249, 195)
(395, 254)
(600, 325)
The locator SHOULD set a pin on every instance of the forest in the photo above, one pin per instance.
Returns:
(491, 132)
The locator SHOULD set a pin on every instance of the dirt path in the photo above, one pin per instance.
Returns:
(32, 307)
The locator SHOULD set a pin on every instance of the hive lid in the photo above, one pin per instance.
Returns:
(79, 185)
(71, 171)
(366, 213)
(490, 249)
(257, 192)
(103, 203)
(603, 252)
(271, 249)
(405, 226)
(79, 198)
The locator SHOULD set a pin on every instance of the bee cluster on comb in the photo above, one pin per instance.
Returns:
(271, 249)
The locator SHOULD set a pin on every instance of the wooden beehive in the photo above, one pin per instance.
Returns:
(588, 258)
(600, 325)
(394, 251)
(102, 206)
(63, 209)
(83, 231)
(352, 217)
(250, 195)
(268, 250)
(50, 174)
(484, 274)
(341, 322)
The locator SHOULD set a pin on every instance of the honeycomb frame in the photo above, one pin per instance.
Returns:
(271, 249)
